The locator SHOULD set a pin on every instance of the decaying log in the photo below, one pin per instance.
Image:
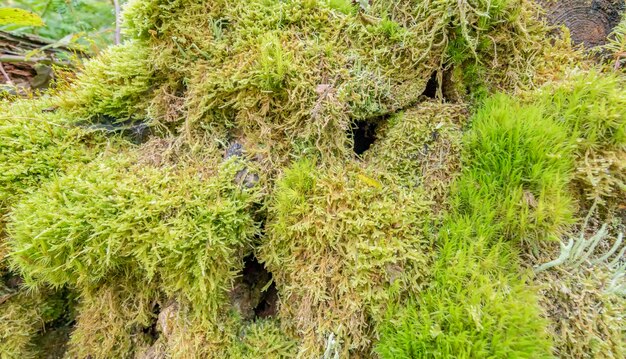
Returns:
(27, 60)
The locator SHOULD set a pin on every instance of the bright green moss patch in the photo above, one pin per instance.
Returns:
(113, 87)
(36, 144)
(341, 243)
(513, 189)
(181, 226)
(520, 164)
(476, 307)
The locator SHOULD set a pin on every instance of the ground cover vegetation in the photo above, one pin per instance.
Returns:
(320, 179)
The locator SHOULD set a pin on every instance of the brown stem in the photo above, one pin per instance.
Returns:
(6, 76)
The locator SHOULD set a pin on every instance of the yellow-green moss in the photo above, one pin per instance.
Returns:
(593, 107)
(113, 320)
(115, 86)
(37, 143)
(422, 146)
(513, 189)
(187, 227)
(23, 316)
(341, 243)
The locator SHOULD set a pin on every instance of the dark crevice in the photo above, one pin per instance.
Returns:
(363, 134)
(254, 294)
(431, 86)
(151, 331)
(268, 306)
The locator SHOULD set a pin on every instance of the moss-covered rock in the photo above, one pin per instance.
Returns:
(256, 102)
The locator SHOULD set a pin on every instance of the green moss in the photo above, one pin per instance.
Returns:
(36, 145)
(593, 108)
(182, 226)
(341, 242)
(114, 320)
(521, 162)
(113, 87)
(422, 146)
(476, 307)
(513, 189)
(264, 339)
(289, 72)
(592, 105)
(344, 6)
(23, 316)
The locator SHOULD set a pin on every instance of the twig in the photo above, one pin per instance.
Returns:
(116, 4)
(6, 76)
(618, 58)
(43, 60)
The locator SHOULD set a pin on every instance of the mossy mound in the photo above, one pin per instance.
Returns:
(319, 178)
(341, 243)
(37, 143)
(181, 226)
(23, 317)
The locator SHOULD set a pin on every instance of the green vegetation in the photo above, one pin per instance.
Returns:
(78, 21)
(173, 225)
(512, 189)
(113, 87)
(247, 222)
(36, 144)
(342, 242)
(519, 164)
(23, 316)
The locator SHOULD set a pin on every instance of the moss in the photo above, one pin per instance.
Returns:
(585, 319)
(113, 87)
(593, 107)
(521, 164)
(23, 316)
(512, 189)
(264, 339)
(114, 320)
(286, 73)
(617, 45)
(422, 146)
(341, 242)
(37, 144)
(183, 335)
(181, 226)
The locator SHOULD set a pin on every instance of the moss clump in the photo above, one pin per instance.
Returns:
(422, 146)
(512, 189)
(341, 242)
(183, 335)
(593, 107)
(23, 316)
(264, 339)
(114, 87)
(36, 145)
(182, 226)
(114, 320)
(294, 74)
